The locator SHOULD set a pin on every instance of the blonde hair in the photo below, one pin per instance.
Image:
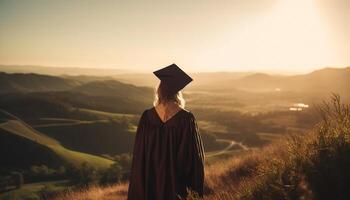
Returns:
(163, 94)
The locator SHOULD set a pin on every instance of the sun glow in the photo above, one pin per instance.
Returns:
(292, 36)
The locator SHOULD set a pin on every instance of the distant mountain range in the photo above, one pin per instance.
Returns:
(58, 71)
(320, 82)
(130, 92)
(10, 83)
(335, 80)
(323, 80)
(18, 90)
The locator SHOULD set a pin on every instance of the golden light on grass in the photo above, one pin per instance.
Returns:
(115, 192)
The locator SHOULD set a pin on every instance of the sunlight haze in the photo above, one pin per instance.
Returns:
(249, 35)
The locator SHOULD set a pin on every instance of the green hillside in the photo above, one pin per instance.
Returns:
(99, 137)
(37, 148)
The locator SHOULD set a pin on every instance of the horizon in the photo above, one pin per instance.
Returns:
(288, 36)
(126, 71)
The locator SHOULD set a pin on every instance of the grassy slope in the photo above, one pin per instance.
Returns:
(99, 137)
(107, 129)
(109, 114)
(24, 131)
(132, 118)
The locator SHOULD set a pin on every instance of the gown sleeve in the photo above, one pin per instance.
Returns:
(194, 169)
(137, 175)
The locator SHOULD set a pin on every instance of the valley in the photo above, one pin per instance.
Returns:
(87, 124)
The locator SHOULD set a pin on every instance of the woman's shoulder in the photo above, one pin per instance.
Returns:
(188, 115)
(187, 112)
(147, 112)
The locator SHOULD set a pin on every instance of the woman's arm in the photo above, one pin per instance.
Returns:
(137, 176)
(195, 158)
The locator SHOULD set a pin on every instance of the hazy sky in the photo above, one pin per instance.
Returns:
(199, 35)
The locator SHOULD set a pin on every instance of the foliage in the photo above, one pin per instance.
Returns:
(112, 175)
(119, 171)
(84, 175)
(41, 170)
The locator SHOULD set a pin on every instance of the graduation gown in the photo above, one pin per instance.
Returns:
(168, 157)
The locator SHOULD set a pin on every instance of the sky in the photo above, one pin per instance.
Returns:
(198, 35)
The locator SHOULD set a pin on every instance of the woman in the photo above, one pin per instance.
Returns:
(168, 153)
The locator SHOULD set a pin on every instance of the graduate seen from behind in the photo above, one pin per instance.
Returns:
(168, 157)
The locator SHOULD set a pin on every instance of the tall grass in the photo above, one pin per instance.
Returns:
(116, 192)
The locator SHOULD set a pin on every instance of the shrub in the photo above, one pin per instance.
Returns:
(84, 175)
(41, 170)
(112, 175)
(18, 179)
(61, 171)
(327, 156)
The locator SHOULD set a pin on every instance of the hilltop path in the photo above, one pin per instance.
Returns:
(231, 143)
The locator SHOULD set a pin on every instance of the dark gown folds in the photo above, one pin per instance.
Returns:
(168, 158)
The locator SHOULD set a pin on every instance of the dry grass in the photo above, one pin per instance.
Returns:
(116, 192)
(227, 179)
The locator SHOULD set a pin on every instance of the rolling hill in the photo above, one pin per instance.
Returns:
(56, 104)
(116, 89)
(323, 81)
(22, 146)
(58, 71)
(33, 90)
(10, 83)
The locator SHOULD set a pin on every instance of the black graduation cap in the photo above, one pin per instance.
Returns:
(173, 77)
